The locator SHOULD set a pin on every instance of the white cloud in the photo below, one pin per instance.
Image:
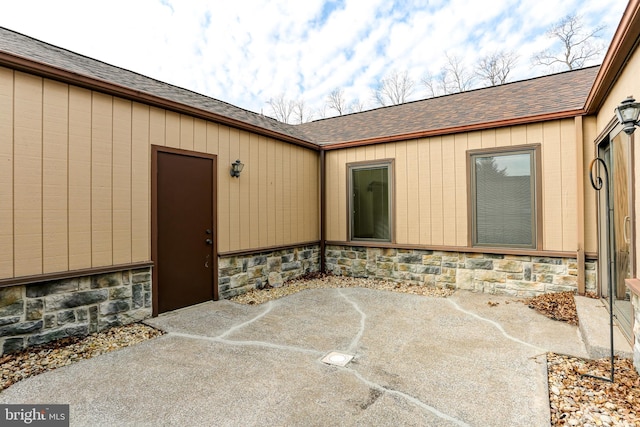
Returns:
(246, 51)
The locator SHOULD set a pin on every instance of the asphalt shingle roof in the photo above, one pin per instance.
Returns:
(556, 93)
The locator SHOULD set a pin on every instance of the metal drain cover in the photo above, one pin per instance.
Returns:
(336, 358)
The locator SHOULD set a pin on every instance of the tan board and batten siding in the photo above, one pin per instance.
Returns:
(589, 135)
(430, 184)
(75, 188)
(625, 85)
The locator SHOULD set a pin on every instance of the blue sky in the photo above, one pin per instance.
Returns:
(247, 51)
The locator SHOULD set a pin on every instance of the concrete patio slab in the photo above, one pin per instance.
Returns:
(594, 327)
(458, 361)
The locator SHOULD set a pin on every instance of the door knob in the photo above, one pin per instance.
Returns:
(208, 231)
(209, 242)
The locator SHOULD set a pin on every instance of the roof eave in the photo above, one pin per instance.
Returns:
(456, 129)
(52, 72)
(625, 40)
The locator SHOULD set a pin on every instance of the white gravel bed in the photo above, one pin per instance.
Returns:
(259, 296)
(18, 366)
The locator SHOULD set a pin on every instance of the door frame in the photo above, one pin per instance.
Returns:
(611, 131)
(155, 149)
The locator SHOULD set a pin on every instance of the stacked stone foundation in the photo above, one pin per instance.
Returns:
(242, 273)
(635, 300)
(496, 274)
(39, 313)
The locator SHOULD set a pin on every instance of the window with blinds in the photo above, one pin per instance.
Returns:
(503, 198)
(369, 203)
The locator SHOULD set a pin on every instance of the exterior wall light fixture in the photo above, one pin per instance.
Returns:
(236, 168)
(627, 113)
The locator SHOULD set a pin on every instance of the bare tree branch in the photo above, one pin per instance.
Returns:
(457, 78)
(394, 89)
(437, 84)
(452, 78)
(300, 112)
(356, 106)
(577, 45)
(322, 111)
(494, 69)
(428, 80)
(440, 84)
(281, 108)
(336, 101)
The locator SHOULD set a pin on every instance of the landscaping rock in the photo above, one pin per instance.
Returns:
(275, 279)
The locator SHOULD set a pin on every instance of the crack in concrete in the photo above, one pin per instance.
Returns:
(407, 397)
(221, 338)
(363, 318)
(495, 324)
(351, 349)
(248, 322)
(381, 388)
(264, 344)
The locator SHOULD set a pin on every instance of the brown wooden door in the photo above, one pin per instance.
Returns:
(185, 235)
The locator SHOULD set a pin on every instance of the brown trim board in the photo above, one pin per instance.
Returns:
(464, 249)
(625, 41)
(580, 214)
(154, 228)
(268, 249)
(214, 199)
(27, 280)
(453, 130)
(52, 72)
(607, 130)
(632, 153)
(323, 213)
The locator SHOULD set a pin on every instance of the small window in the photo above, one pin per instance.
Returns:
(503, 198)
(370, 201)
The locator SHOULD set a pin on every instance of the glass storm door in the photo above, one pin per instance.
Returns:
(615, 150)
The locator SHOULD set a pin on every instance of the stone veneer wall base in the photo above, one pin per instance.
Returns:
(635, 300)
(39, 313)
(239, 274)
(497, 274)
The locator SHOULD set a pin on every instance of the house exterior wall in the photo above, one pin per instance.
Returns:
(627, 84)
(275, 202)
(75, 189)
(430, 185)
(75, 200)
